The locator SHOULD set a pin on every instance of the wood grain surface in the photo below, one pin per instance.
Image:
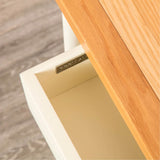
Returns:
(138, 23)
(118, 70)
(30, 33)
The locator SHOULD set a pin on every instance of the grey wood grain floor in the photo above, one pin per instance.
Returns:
(30, 33)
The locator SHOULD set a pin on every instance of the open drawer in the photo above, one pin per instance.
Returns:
(75, 113)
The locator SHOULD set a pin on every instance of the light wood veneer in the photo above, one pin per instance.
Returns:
(124, 79)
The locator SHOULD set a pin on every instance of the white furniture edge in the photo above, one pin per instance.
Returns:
(42, 110)
(69, 38)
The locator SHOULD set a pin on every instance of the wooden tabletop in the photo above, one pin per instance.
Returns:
(121, 40)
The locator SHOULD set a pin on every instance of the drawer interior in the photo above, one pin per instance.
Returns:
(88, 114)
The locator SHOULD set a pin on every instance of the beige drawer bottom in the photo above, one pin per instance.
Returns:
(75, 113)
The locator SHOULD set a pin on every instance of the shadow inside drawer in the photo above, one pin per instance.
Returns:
(88, 114)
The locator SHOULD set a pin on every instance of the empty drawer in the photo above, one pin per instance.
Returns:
(74, 111)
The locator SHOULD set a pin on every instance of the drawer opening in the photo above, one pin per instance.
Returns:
(88, 114)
